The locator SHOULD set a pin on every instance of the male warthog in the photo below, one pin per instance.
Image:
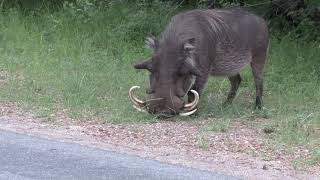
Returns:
(196, 44)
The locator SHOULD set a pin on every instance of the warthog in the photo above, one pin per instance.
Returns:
(196, 44)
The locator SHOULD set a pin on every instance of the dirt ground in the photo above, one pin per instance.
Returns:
(241, 151)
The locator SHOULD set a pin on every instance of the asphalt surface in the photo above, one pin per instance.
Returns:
(24, 157)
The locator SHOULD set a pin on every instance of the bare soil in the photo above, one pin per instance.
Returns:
(242, 151)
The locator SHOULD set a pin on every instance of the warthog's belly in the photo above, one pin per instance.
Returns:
(230, 60)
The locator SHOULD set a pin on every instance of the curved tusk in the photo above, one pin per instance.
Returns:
(139, 109)
(137, 102)
(193, 104)
(188, 113)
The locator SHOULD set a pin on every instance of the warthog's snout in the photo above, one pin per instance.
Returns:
(165, 107)
(168, 106)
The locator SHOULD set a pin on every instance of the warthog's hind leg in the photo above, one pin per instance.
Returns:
(257, 71)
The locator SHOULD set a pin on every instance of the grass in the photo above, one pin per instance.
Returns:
(84, 64)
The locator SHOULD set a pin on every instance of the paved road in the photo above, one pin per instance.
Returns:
(24, 157)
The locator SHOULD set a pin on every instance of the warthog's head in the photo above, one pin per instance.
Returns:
(172, 72)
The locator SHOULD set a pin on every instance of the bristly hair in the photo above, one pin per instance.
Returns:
(191, 24)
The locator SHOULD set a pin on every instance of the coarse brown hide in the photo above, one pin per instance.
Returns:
(197, 44)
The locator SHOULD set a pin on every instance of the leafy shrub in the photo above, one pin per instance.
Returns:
(146, 20)
(32, 4)
(295, 18)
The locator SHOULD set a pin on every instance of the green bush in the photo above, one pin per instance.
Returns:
(32, 4)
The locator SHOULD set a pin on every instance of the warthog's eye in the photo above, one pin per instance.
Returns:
(150, 91)
(152, 81)
(184, 70)
(188, 69)
(144, 65)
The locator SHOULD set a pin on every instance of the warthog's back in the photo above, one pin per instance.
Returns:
(226, 40)
(246, 37)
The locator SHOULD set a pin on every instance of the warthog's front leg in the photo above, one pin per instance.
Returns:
(198, 86)
(235, 83)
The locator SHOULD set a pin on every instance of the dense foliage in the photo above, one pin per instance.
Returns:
(299, 18)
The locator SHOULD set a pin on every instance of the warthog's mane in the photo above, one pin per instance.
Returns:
(196, 23)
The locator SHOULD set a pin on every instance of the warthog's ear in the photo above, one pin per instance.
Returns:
(152, 42)
(144, 65)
